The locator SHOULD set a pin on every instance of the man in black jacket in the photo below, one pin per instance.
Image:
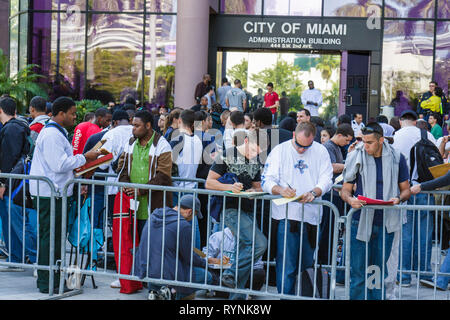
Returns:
(13, 145)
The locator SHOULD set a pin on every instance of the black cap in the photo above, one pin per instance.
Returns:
(120, 115)
(409, 112)
(188, 200)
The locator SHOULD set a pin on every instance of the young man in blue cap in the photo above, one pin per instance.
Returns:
(176, 239)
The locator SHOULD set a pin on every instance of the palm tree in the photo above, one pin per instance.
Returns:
(327, 63)
(20, 85)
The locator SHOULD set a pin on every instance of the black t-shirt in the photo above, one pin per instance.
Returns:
(246, 172)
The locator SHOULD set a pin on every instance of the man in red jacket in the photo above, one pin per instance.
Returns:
(86, 129)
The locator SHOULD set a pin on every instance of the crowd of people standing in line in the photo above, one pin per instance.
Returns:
(235, 147)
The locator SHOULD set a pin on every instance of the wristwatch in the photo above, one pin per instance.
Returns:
(313, 193)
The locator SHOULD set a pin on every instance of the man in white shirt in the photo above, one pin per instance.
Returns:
(357, 123)
(404, 141)
(312, 99)
(297, 167)
(235, 123)
(53, 157)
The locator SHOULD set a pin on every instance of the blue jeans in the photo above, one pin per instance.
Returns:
(291, 260)
(358, 268)
(409, 247)
(17, 238)
(245, 243)
(442, 281)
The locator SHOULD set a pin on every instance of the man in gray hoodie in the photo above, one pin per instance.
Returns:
(166, 246)
(38, 111)
(379, 172)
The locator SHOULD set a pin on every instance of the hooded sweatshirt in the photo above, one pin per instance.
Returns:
(170, 218)
(37, 124)
(13, 144)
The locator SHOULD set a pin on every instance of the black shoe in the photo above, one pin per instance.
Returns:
(228, 281)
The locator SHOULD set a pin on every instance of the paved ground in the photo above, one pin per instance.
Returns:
(22, 286)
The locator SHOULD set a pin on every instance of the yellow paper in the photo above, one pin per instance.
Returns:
(439, 170)
(281, 201)
(339, 179)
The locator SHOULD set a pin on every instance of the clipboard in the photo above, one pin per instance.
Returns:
(281, 201)
(439, 170)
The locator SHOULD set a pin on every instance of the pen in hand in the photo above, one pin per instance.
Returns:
(237, 186)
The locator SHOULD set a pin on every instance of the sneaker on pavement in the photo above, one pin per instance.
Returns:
(116, 284)
(431, 284)
(162, 294)
(404, 284)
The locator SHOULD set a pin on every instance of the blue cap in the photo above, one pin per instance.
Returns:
(187, 201)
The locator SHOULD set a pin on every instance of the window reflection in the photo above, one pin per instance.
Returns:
(160, 53)
(351, 8)
(293, 7)
(444, 9)
(407, 59)
(241, 7)
(409, 8)
(442, 66)
(13, 48)
(114, 54)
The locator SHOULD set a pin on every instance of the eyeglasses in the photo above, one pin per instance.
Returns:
(302, 147)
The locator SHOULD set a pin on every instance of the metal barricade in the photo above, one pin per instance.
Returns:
(371, 275)
(16, 214)
(195, 281)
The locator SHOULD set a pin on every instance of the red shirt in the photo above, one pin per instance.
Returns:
(270, 98)
(81, 134)
(37, 127)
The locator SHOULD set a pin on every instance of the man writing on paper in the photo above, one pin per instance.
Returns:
(379, 172)
(53, 157)
(241, 166)
(298, 167)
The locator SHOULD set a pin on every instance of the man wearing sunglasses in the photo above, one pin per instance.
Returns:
(298, 167)
(379, 172)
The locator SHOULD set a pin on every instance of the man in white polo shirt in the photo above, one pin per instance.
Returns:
(312, 99)
(297, 167)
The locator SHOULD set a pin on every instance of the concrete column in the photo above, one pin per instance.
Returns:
(192, 49)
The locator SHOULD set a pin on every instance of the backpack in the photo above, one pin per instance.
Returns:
(429, 157)
(322, 283)
(23, 166)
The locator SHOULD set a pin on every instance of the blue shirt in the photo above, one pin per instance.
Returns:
(403, 175)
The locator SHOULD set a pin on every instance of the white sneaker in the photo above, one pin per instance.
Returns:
(115, 284)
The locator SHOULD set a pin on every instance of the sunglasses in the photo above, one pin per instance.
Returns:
(303, 147)
(369, 130)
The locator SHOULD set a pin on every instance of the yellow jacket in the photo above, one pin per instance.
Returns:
(433, 104)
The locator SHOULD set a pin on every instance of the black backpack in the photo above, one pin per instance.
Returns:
(20, 188)
(429, 157)
(323, 283)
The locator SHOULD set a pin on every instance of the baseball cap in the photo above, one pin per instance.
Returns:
(410, 112)
(120, 115)
(187, 201)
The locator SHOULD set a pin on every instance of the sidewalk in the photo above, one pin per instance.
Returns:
(22, 286)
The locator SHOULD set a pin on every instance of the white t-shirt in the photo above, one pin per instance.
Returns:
(303, 172)
(404, 140)
(357, 127)
(116, 141)
(188, 159)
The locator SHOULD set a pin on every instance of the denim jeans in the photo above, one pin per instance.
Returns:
(409, 250)
(442, 281)
(17, 237)
(358, 268)
(291, 260)
(245, 243)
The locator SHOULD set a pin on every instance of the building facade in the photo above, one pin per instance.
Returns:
(158, 50)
